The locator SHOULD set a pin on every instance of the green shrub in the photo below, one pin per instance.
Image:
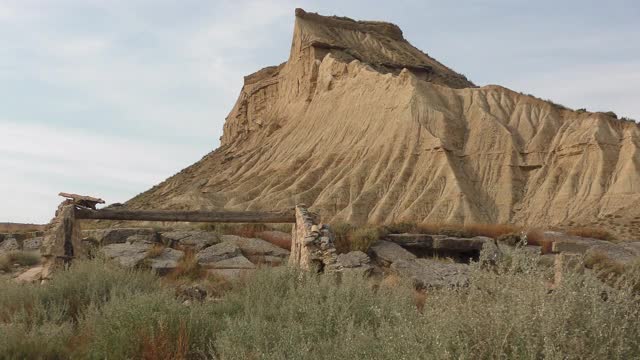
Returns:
(508, 311)
(147, 326)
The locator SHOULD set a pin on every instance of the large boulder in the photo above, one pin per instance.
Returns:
(386, 252)
(355, 262)
(8, 245)
(237, 262)
(165, 261)
(426, 273)
(196, 240)
(32, 275)
(218, 252)
(118, 235)
(127, 255)
(32, 244)
(618, 254)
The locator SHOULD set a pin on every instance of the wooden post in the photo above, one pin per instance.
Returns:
(286, 216)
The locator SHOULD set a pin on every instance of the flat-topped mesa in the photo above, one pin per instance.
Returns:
(379, 44)
(318, 40)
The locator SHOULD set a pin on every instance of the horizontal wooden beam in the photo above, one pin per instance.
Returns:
(285, 216)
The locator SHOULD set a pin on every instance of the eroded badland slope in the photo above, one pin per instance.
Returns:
(364, 127)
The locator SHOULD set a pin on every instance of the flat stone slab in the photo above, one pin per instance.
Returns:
(575, 244)
(127, 255)
(238, 262)
(196, 240)
(411, 240)
(621, 254)
(117, 235)
(438, 242)
(250, 246)
(388, 252)
(218, 252)
(354, 262)
(442, 242)
(32, 275)
(166, 261)
(427, 273)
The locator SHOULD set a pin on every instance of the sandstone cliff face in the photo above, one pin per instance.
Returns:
(363, 127)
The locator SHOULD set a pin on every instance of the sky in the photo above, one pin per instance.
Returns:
(108, 98)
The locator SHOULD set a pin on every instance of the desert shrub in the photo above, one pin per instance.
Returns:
(5, 263)
(508, 310)
(45, 341)
(283, 313)
(188, 268)
(147, 326)
(611, 114)
(590, 232)
(341, 232)
(155, 251)
(512, 239)
(352, 238)
(23, 258)
(581, 110)
(401, 227)
(360, 239)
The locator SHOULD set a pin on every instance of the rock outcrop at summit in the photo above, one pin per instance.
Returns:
(363, 127)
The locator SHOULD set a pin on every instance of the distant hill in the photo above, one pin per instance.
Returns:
(363, 127)
(7, 227)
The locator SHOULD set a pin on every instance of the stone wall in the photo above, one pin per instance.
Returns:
(62, 239)
(312, 243)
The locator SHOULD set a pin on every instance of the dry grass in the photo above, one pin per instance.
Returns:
(155, 251)
(361, 238)
(351, 238)
(591, 232)
(188, 268)
(162, 345)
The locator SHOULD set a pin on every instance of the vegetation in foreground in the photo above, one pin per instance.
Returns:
(97, 310)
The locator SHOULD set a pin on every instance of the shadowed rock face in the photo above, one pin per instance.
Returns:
(364, 127)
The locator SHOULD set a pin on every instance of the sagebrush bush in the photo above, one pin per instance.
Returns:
(509, 310)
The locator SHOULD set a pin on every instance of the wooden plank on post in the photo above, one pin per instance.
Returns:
(285, 216)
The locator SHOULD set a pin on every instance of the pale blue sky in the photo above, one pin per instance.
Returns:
(108, 98)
